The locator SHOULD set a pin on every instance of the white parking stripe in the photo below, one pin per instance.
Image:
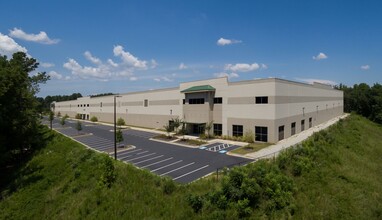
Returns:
(127, 156)
(127, 152)
(142, 152)
(157, 162)
(148, 159)
(177, 169)
(167, 165)
(190, 172)
(141, 157)
(96, 141)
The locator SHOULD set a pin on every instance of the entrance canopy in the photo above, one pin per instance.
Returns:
(203, 88)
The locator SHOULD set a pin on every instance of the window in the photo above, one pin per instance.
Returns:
(100, 105)
(184, 101)
(146, 103)
(302, 125)
(237, 130)
(88, 105)
(78, 105)
(261, 134)
(196, 101)
(261, 99)
(218, 129)
(218, 100)
(310, 122)
(81, 105)
(281, 132)
(293, 128)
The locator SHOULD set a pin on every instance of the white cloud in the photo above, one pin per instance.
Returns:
(223, 41)
(111, 62)
(323, 81)
(109, 69)
(182, 66)
(163, 78)
(154, 64)
(242, 67)
(223, 74)
(91, 58)
(47, 65)
(128, 58)
(100, 71)
(263, 66)
(8, 46)
(55, 75)
(41, 37)
(320, 56)
(67, 77)
(365, 67)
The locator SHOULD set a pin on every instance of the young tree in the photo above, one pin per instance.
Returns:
(120, 122)
(176, 123)
(119, 136)
(208, 127)
(51, 117)
(62, 121)
(168, 129)
(78, 126)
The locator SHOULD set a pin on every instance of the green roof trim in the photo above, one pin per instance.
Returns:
(204, 88)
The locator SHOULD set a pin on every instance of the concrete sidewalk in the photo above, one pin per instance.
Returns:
(275, 149)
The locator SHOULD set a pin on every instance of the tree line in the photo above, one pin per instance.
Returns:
(20, 129)
(364, 100)
(44, 103)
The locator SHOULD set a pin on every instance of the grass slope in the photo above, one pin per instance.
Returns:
(346, 182)
(336, 175)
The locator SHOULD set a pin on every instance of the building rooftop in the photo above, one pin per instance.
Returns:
(203, 88)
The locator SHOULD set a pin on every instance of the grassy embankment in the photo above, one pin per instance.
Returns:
(336, 174)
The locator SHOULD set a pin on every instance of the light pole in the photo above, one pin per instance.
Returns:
(115, 127)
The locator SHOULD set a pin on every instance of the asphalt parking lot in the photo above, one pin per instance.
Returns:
(182, 164)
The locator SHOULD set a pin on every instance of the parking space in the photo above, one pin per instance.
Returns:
(98, 143)
(137, 133)
(182, 164)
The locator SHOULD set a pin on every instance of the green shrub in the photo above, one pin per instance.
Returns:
(94, 119)
(243, 209)
(78, 116)
(120, 122)
(108, 175)
(58, 114)
(196, 202)
(168, 186)
(249, 136)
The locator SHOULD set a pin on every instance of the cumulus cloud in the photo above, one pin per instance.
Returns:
(128, 58)
(91, 58)
(229, 75)
(323, 81)
(41, 37)
(242, 67)
(320, 56)
(8, 46)
(47, 65)
(263, 66)
(182, 66)
(223, 41)
(365, 67)
(55, 75)
(103, 70)
(100, 71)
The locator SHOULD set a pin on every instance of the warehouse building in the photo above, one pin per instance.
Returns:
(273, 109)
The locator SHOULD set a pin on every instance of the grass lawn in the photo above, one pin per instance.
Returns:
(250, 148)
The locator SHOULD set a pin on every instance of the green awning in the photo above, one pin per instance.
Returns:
(204, 88)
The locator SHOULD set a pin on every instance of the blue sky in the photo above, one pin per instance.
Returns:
(96, 47)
